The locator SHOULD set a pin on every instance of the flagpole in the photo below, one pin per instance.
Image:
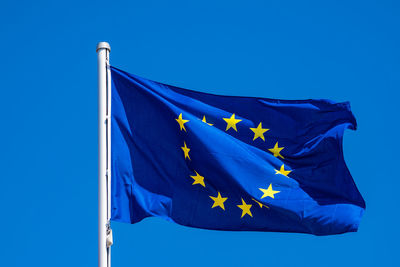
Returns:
(104, 131)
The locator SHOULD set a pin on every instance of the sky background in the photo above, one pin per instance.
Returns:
(340, 50)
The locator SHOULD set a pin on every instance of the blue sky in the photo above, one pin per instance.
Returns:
(341, 50)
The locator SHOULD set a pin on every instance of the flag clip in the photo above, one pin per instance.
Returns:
(109, 239)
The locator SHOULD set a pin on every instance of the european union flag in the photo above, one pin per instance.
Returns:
(230, 163)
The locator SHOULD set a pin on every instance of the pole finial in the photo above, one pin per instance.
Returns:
(103, 45)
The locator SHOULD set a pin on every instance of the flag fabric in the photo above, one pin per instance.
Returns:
(229, 163)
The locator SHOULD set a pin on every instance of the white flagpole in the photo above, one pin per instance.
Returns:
(104, 131)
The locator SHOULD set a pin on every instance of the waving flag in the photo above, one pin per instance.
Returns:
(229, 163)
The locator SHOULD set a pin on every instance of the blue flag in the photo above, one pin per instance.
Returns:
(230, 163)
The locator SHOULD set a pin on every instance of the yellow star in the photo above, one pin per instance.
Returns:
(283, 171)
(218, 201)
(276, 150)
(186, 150)
(260, 204)
(268, 192)
(245, 208)
(204, 120)
(259, 132)
(198, 179)
(231, 122)
(181, 122)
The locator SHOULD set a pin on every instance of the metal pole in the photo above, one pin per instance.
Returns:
(103, 49)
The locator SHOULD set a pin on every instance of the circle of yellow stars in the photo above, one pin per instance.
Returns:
(219, 200)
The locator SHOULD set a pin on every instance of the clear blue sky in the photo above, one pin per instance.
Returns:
(341, 50)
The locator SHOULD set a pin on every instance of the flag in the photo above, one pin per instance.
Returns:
(229, 163)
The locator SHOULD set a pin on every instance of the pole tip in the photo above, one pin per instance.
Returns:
(103, 45)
